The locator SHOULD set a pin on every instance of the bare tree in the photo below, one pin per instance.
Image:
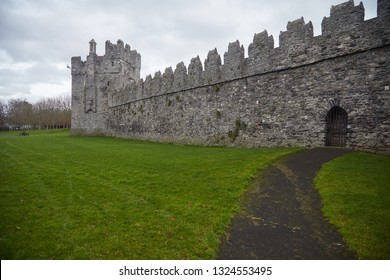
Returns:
(66, 110)
(3, 115)
(53, 112)
(20, 113)
(47, 113)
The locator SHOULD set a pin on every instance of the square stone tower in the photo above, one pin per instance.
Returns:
(95, 80)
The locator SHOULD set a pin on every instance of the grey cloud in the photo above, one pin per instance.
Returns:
(11, 84)
(20, 81)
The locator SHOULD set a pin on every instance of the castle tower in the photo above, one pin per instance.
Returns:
(96, 80)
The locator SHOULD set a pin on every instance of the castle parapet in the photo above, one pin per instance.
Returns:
(156, 83)
(167, 80)
(147, 86)
(212, 67)
(77, 65)
(119, 51)
(297, 38)
(343, 17)
(180, 77)
(233, 61)
(343, 32)
(195, 72)
(260, 52)
(262, 43)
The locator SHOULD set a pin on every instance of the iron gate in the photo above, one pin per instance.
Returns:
(336, 127)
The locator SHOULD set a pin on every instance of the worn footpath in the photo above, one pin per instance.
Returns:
(282, 217)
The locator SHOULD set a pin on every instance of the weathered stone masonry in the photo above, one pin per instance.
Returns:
(332, 89)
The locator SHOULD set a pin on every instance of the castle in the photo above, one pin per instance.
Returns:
(332, 89)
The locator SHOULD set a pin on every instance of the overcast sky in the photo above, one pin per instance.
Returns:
(39, 37)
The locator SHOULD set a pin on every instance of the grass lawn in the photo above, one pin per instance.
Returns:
(65, 197)
(356, 195)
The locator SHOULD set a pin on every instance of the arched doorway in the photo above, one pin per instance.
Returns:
(336, 127)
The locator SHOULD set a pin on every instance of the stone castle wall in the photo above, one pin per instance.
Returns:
(274, 97)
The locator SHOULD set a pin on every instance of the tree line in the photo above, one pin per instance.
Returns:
(47, 113)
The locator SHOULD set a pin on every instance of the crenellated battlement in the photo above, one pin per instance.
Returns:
(298, 35)
(345, 16)
(343, 32)
(111, 83)
(116, 58)
(123, 52)
(262, 44)
(195, 72)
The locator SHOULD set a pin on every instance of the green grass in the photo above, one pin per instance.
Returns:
(64, 197)
(356, 195)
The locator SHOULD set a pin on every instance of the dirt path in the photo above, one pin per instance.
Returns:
(282, 217)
